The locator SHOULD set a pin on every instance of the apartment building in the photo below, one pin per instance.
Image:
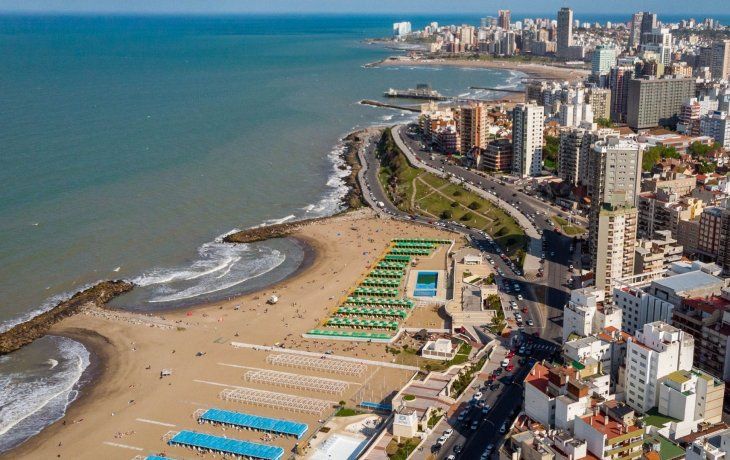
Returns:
(657, 253)
(588, 313)
(498, 156)
(656, 351)
(473, 126)
(608, 438)
(656, 101)
(528, 122)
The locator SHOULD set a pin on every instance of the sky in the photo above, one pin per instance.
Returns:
(482, 7)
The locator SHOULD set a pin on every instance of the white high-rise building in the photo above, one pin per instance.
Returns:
(401, 29)
(604, 57)
(528, 122)
(574, 115)
(656, 351)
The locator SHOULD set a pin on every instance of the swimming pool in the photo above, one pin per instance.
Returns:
(426, 284)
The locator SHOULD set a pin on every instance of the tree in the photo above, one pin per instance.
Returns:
(550, 151)
(650, 158)
(474, 205)
(466, 217)
(604, 123)
(706, 167)
(446, 214)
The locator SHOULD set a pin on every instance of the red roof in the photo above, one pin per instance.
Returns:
(538, 377)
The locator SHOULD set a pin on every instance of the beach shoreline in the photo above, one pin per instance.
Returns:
(125, 389)
(534, 70)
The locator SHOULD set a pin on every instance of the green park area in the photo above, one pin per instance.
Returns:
(568, 228)
(418, 192)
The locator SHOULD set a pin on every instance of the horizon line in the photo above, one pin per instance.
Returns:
(13, 12)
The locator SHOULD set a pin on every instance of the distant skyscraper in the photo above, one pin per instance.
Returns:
(618, 81)
(648, 24)
(635, 30)
(604, 57)
(401, 29)
(504, 19)
(565, 31)
(528, 122)
(720, 60)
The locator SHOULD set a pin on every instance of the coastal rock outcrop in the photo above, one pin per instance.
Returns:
(25, 333)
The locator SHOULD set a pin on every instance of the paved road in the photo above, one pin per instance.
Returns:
(544, 297)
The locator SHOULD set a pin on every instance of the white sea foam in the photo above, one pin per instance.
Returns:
(219, 266)
(36, 397)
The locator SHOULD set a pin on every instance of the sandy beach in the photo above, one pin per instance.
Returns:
(532, 70)
(128, 407)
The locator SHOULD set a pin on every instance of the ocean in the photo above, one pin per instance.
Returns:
(130, 145)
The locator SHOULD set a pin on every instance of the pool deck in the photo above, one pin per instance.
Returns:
(441, 283)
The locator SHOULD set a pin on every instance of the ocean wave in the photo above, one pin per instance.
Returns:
(331, 201)
(37, 396)
(219, 266)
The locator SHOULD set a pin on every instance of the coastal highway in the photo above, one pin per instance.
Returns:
(374, 194)
(508, 397)
(546, 295)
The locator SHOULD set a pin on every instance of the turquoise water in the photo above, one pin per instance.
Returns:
(129, 144)
(426, 283)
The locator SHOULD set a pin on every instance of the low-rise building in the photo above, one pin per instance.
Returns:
(656, 254)
(587, 313)
(608, 438)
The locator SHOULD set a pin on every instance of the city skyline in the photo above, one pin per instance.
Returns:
(518, 7)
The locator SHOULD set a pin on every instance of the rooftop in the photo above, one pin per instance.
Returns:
(609, 427)
(680, 376)
(696, 279)
(538, 377)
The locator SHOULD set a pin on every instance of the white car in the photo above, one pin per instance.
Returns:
(519, 296)
(505, 362)
(448, 433)
(478, 395)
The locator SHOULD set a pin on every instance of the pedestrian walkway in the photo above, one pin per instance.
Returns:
(498, 355)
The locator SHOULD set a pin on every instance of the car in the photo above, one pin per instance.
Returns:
(519, 296)
(485, 409)
(522, 350)
(451, 457)
(502, 429)
(510, 368)
(462, 415)
(458, 448)
(498, 371)
(448, 433)
(478, 395)
(510, 354)
(474, 425)
(530, 323)
(505, 362)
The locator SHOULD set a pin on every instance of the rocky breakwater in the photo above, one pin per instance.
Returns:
(25, 333)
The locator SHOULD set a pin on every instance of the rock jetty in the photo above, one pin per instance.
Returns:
(25, 333)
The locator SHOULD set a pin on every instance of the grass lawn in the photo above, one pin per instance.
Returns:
(436, 196)
(347, 412)
(410, 357)
(654, 418)
(668, 450)
(568, 229)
